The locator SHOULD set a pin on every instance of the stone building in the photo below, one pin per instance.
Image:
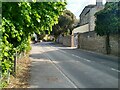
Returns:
(87, 20)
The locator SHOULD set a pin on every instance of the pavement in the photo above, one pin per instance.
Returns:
(44, 74)
(56, 66)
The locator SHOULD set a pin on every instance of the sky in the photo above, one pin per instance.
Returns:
(76, 6)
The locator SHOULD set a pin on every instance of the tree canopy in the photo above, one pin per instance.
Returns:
(108, 19)
(65, 23)
(108, 22)
(19, 21)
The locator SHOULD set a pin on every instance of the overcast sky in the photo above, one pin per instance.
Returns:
(76, 6)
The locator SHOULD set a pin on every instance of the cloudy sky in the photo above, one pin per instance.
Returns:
(76, 6)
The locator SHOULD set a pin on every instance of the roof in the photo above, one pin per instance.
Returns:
(88, 6)
(81, 29)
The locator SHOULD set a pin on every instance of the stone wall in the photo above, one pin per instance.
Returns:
(114, 42)
(61, 40)
(91, 41)
(92, 17)
(66, 40)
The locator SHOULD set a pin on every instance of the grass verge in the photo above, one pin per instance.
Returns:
(22, 74)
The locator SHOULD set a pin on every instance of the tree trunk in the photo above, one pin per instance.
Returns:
(108, 48)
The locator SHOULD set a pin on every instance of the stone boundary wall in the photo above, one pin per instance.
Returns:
(66, 40)
(114, 42)
(91, 41)
(61, 40)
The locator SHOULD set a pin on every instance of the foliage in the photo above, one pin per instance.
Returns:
(65, 23)
(19, 21)
(108, 20)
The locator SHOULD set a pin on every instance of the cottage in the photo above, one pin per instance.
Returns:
(87, 20)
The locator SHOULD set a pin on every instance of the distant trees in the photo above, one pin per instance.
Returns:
(65, 24)
(108, 22)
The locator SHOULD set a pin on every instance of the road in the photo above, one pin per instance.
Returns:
(83, 68)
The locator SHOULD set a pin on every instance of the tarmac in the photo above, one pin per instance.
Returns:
(43, 73)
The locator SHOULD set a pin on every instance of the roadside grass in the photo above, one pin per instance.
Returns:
(22, 74)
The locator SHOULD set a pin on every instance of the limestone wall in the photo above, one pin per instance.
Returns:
(93, 42)
(66, 40)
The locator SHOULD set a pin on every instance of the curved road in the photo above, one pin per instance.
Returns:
(84, 69)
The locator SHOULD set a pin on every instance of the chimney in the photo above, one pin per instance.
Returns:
(99, 2)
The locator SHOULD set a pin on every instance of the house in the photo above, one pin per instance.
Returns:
(87, 20)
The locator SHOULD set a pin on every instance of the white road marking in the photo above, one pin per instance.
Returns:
(115, 70)
(73, 55)
(77, 56)
(87, 60)
(81, 58)
(60, 70)
(63, 51)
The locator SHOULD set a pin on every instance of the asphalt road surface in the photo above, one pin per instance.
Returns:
(83, 68)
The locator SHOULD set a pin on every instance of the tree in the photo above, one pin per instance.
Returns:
(65, 24)
(108, 21)
(19, 21)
